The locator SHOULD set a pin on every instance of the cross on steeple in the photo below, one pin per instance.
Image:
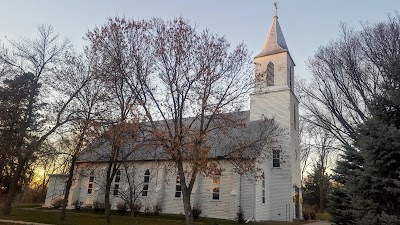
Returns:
(276, 8)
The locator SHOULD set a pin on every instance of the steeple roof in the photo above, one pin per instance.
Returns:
(275, 42)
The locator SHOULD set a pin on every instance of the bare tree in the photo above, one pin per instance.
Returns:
(305, 147)
(122, 120)
(47, 112)
(89, 107)
(324, 147)
(137, 186)
(190, 86)
(346, 74)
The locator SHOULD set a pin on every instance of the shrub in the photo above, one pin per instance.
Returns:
(56, 203)
(122, 207)
(305, 215)
(309, 212)
(77, 204)
(136, 207)
(147, 210)
(313, 215)
(99, 207)
(240, 215)
(196, 212)
(157, 209)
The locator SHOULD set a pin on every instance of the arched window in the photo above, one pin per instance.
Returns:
(91, 181)
(290, 77)
(216, 186)
(146, 183)
(116, 182)
(117, 176)
(270, 74)
(263, 187)
(294, 116)
(178, 188)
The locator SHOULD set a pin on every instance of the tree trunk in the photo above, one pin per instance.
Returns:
(186, 192)
(132, 215)
(13, 187)
(107, 203)
(321, 194)
(67, 187)
(186, 206)
(107, 192)
(2, 162)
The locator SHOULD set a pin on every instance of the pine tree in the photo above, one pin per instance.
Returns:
(339, 204)
(15, 124)
(370, 172)
(377, 187)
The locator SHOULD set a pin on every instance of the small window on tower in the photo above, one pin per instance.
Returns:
(270, 74)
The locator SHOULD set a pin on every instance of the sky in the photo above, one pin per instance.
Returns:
(306, 24)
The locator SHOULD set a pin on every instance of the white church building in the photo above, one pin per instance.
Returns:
(275, 196)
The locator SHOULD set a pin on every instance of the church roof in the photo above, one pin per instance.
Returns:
(275, 42)
(221, 143)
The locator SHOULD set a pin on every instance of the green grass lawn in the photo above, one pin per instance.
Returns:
(86, 217)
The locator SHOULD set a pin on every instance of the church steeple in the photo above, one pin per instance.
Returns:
(275, 42)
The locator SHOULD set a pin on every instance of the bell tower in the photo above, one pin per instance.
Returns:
(274, 75)
(274, 97)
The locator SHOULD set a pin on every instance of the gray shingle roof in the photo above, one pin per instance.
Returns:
(221, 140)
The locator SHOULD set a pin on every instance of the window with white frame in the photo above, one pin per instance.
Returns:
(90, 184)
(276, 158)
(116, 182)
(146, 183)
(216, 185)
(178, 187)
(263, 187)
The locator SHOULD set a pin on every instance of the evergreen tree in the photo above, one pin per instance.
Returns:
(377, 187)
(370, 172)
(339, 204)
(16, 123)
